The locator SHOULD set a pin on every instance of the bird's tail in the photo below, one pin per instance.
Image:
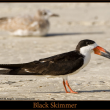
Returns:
(11, 66)
(8, 66)
(14, 68)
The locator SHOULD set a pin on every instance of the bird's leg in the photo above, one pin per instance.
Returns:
(65, 86)
(71, 91)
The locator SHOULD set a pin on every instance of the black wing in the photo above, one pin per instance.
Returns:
(56, 65)
(60, 64)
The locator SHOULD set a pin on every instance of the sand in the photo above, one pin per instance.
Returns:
(77, 21)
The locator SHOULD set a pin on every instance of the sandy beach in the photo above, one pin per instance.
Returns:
(76, 21)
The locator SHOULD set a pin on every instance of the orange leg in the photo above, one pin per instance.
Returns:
(71, 91)
(65, 87)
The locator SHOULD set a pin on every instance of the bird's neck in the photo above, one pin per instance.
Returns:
(87, 58)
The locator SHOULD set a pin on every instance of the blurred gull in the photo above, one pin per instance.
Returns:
(26, 25)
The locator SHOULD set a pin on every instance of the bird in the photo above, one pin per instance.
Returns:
(60, 65)
(27, 25)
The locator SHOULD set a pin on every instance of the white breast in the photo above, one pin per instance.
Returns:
(86, 59)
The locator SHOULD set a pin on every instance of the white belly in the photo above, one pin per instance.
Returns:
(86, 61)
(38, 32)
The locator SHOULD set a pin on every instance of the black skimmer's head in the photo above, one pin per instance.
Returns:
(86, 46)
(46, 14)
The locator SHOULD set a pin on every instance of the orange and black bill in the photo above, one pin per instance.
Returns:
(55, 15)
(100, 51)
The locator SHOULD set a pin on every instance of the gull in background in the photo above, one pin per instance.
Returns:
(27, 25)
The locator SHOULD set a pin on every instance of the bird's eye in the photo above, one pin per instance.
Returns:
(45, 13)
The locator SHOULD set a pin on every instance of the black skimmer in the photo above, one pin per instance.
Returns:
(26, 25)
(61, 64)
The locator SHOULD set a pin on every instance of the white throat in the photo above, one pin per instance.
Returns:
(86, 51)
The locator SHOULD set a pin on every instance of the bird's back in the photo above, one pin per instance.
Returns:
(56, 65)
